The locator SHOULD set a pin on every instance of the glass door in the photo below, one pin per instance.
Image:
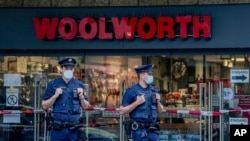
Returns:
(226, 83)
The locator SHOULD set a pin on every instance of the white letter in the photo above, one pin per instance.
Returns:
(243, 131)
(237, 132)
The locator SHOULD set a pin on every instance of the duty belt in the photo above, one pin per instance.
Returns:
(65, 124)
(135, 125)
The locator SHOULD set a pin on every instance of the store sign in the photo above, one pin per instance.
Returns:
(244, 101)
(119, 28)
(239, 76)
(238, 121)
(12, 97)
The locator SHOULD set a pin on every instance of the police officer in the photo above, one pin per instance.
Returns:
(65, 96)
(142, 102)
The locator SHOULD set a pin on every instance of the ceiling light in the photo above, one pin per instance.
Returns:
(225, 63)
(238, 59)
(230, 64)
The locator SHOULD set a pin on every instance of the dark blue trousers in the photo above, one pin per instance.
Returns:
(63, 135)
(142, 134)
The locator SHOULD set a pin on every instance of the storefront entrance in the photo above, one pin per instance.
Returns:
(201, 94)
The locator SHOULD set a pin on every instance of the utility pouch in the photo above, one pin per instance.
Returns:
(154, 99)
(57, 125)
(157, 125)
(81, 120)
(75, 92)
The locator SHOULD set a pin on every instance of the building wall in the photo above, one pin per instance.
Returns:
(78, 3)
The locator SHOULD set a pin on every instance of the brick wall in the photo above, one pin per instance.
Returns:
(78, 3)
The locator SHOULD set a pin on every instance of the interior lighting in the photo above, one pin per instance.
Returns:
(230, 64)
(225, 62)
(238, 59)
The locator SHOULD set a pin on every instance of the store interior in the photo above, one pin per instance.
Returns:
(176, 77)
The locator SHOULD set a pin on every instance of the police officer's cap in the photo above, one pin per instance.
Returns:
(67, 62)
(144, 68)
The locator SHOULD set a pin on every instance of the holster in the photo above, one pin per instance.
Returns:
(81, 134)
(49, 121)
(82, 131)
(127, 127)
(157, 125)
(56, 125)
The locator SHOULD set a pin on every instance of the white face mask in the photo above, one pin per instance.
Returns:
(68, 74)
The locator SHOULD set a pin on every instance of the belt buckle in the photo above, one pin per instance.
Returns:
(134, 125)
(66, 124)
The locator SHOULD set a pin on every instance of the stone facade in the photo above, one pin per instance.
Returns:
(11, 3)
(214, 2)
(152, 2)
(95, 3)
(65, 3)
(81, 3)
(183, 2)
(37, 3)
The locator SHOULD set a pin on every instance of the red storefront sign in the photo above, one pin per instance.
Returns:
(89, 28)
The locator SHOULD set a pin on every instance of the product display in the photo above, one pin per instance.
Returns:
(104, 87)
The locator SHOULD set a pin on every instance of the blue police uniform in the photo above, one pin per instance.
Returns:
(145, 114)
(66, 108)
